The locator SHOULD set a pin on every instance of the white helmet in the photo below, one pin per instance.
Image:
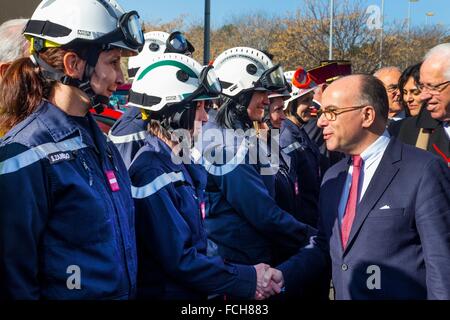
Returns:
(302, 83)
(285, 94)
(86, 26)
(242, 69)
(288, 75)
(172, 79)
(157, 43)
(63, 23)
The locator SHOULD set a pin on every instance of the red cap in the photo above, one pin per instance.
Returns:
(330, 69)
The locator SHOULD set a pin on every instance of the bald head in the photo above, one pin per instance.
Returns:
(339, 88)
(366, 89)
(357, 113)
(390, 77)
(385, 71)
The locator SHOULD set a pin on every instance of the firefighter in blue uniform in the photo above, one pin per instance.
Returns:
(168, 188)
(304, 154)
(130, 131)
(287, 193)
(66, 211)
(242, 217)
(286, 188)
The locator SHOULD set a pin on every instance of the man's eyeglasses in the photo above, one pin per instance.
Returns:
(331, 113)
(392, 88)
(433, 88)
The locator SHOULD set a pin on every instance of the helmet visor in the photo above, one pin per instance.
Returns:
(272, 79)
(129, 31)
(210, 81)
(177, 43)
(209, 86)
(131, 28)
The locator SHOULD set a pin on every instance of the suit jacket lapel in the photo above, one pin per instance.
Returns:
(440, 140)
(386, 171)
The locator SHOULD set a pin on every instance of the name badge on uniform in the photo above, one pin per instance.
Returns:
(60, 156)
(296, 187)
(112, 180)
(203, 209)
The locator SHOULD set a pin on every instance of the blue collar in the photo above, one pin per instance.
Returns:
(60, 126)
(293, 128)
(197, 174)
(162, 150)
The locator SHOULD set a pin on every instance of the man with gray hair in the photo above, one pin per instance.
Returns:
(430, 129)
(390, 76)
(435, 82)
(13, 44)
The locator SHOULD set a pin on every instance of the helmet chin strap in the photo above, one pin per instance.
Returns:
(97, 101)
(299, 119)
(243, 101)
(293, 110)
(179, 119)
(91, 57)
(266, 118)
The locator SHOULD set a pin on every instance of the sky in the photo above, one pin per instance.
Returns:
(222, 11)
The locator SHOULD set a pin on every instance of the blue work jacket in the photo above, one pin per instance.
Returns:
(66, 212)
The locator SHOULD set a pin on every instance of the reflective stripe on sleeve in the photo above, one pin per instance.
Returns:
(294, 146)
(138, 136)
(156, 185)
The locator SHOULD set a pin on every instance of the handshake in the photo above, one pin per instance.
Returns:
(269, 281)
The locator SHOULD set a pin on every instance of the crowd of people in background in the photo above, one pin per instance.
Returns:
(231, 180)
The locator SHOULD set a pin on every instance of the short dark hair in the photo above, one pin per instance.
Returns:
(374, 93)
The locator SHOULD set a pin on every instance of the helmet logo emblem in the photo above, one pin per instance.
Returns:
(153, 46)
(84, 33)
(182, 76)
(251, 69)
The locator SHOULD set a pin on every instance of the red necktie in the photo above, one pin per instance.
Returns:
(350, 208)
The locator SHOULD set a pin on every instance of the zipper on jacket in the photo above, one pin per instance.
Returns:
(111, 159)
(86, 167)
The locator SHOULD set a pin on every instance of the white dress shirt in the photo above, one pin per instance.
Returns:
(447, 129)
(371, 159)
(399, 116)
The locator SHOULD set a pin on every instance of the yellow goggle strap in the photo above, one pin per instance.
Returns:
(37, 44)
(145, 115)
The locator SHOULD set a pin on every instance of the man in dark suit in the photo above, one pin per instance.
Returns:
(430, 130)
(384, 226)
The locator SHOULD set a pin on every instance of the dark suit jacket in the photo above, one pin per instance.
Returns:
(409, 240)
(407, 131)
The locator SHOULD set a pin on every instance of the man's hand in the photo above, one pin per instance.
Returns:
(273, 281)
(269, 281)
(260, 271)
